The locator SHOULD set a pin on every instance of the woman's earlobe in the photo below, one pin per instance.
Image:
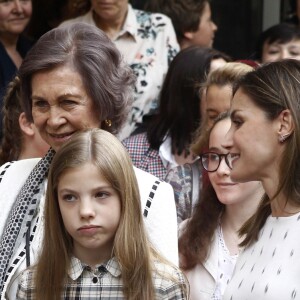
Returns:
(287, 125)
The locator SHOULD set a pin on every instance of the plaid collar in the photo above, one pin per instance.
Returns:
(77, 268)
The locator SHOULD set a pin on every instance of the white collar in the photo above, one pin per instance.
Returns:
(165, 153)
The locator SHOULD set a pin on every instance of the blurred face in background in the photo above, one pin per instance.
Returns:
(110, 10)
(278, 51)
(217, 101)
(215, 64)
(14, 15)
(204, 35)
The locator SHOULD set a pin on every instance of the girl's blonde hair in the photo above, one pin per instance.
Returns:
(227, 74)
(131, 247)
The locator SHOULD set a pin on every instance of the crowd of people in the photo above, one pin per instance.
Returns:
(138, 162)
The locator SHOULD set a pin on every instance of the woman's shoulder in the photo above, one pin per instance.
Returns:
(20, 167)
(137, 140)
(153, 17)
(12, 177)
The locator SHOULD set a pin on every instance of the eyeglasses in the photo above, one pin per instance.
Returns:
(211, 160)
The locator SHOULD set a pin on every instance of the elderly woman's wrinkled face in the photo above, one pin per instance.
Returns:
(110, 10)
(14, 15)
(60, 105)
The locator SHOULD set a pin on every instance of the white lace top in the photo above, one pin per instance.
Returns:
(226, 266)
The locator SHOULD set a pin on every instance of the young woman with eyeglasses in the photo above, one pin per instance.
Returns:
(209, 240)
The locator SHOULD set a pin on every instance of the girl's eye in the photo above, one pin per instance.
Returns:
(102, 195)
(214, 157)
(69, 197)
(237, 122)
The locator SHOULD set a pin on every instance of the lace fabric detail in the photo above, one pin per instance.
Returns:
(226, 264)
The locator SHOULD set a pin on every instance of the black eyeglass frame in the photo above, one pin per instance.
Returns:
(220, 156)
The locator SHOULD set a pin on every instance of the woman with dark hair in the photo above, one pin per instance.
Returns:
(14, 17)
(166, 143)
(264, 142)
(71, 80)
(209, 240)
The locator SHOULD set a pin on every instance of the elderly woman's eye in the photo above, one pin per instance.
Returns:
(68, 102)
(40, 103)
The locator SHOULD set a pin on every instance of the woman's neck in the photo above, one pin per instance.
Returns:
(231, 222)
(281, 206)
(111, 27)
(9, 42)
(234, 217)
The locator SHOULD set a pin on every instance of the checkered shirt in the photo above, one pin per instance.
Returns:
(181, 180)
(104, 282)
(143, 156)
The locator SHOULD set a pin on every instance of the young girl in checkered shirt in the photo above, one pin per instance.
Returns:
(95, 246)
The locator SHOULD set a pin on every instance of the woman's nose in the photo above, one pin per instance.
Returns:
(228, 140)
(223, 168)
(17, 6)
(55, 117)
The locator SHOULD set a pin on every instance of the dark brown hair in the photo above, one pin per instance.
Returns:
(274, 87)
(11, 144)
(179, 105)
(185, 14)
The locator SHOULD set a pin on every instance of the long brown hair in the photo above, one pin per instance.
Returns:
(11, 144)
(131, 247)
(196, 239)
(273, 88)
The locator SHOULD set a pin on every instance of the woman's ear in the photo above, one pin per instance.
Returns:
(286, 125)
(25, 125)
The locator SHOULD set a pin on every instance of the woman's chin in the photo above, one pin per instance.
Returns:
(241, 176)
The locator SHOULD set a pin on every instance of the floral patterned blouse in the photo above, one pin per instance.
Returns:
(148, 44)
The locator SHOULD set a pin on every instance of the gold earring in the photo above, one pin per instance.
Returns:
(108, 122)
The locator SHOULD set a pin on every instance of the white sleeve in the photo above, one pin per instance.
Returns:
(12, 180)
(161, 221)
